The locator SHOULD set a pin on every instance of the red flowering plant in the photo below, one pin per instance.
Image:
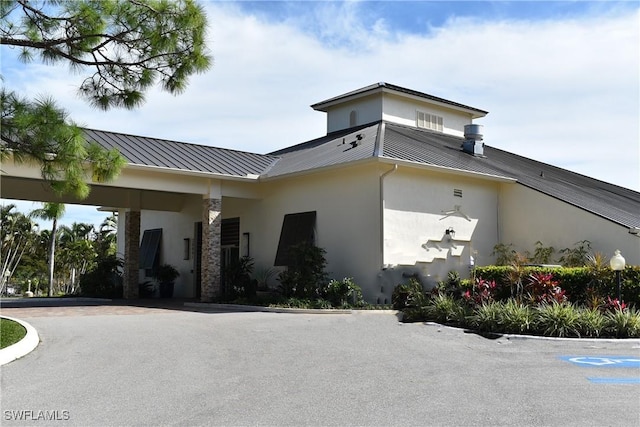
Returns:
(483, 291)
(542, 288)
(614, 305)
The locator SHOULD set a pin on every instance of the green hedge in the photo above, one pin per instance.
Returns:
(574, 280)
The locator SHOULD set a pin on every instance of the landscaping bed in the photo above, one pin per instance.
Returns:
(533, 304)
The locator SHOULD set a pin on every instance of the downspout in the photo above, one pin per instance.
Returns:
(382, 177)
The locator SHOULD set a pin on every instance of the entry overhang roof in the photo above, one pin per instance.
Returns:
(156, 153)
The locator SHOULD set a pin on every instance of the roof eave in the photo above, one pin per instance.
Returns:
(388, 88)
(310, 171)
(447, 170)
(199, 174)
(388, 160)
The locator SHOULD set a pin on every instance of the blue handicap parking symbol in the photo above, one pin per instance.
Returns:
(604, 361)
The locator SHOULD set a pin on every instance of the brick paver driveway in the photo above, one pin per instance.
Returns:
(133, 365)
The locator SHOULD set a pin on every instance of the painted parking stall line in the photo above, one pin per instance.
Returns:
(614, 380)
(606, 362)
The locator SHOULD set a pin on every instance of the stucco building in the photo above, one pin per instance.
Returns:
(402, 184)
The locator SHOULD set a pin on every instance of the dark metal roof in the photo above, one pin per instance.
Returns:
(404, 143)
(140, 150)
(333, 149)
(382, 85)
(432, 148)
(388, 141)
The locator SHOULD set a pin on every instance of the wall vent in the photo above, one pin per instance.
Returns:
(457, 192)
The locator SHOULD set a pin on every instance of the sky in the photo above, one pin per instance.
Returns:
(561, 80)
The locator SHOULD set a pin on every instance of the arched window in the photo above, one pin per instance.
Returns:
(353, 118)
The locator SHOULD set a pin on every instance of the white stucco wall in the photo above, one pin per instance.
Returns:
(394, 109)
(176, 226)
(347, 222)
(368, 109)
(420, 206)
(528, 216)
(402, 111)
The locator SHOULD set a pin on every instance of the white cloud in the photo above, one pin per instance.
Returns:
(563, 91)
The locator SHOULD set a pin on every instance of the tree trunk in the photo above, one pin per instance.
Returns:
(52, 251)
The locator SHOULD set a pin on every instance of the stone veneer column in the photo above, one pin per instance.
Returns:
(131, 254)
(211, 253)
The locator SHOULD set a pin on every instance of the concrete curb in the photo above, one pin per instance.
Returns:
(258, 308)
(23, 347)
(635, 341)
(47, 301)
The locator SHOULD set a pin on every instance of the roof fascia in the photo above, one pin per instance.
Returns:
(318, 170)
(384, 160)
(473, 112)
(406, 93)
(199, 174)
(349, 96)
(447, 170)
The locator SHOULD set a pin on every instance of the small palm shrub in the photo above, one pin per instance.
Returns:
(488, 317)
(558, 320)
(447, 309)
(623, 323)
(517, 318)
(592, 322)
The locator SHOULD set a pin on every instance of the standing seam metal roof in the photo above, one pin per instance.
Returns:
(427, 147)
(163, 153)
(618, 204)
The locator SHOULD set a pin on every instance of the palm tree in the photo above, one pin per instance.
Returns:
(105, 241)
(17, 238)
(76, 250)
(51, 211)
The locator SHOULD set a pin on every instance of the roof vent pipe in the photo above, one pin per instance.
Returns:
(473, 140)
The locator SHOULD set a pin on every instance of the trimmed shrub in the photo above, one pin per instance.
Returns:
(409, 294)
(306, 275)
(341, 293)
(579, 283)
(104, 280)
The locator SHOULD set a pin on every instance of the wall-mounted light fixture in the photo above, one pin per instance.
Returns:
(450, 232)
(246, 240)
(186, 254)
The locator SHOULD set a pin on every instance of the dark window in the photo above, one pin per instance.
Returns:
(230, 230)
(149, 248)
(296, 228)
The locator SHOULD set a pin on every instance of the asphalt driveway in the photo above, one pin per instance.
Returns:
(153, 366)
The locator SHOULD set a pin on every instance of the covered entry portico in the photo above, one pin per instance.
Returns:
(140, 188)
